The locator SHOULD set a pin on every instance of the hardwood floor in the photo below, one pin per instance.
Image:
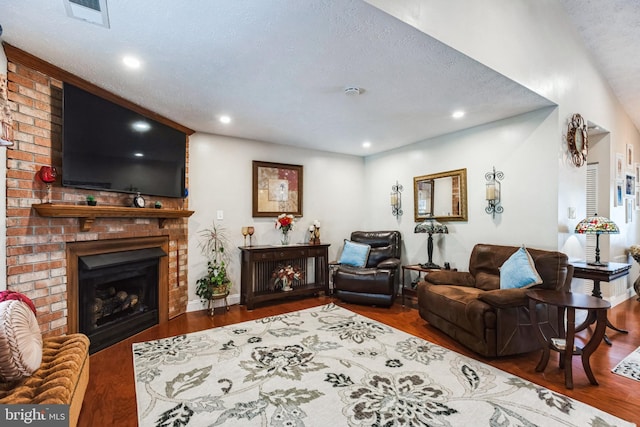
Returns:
(110, 398)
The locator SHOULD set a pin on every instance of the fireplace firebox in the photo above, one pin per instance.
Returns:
(117, 294)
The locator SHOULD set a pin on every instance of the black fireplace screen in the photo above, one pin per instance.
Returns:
(118, 295)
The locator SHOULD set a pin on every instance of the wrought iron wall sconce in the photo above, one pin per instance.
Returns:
(493, 192)
(396, 200)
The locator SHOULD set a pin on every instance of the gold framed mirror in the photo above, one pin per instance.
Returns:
(441, 195)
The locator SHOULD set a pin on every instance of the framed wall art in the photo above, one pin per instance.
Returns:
(630, 185)
(277, 188)
(619, 166)
(629, 156)
(619, 193)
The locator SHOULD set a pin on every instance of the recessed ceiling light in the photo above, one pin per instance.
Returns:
(457, 114)
(131, 62)
(138, 154)
(225, 119)
(366, 144)
(141, 126)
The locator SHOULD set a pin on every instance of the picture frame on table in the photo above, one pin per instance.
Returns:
(277, 188)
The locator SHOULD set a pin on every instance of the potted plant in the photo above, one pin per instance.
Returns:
(215, 283)
(91, 201)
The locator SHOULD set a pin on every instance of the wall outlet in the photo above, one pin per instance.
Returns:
(220, 215)
(572, 213)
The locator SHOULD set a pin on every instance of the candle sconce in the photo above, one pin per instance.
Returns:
(493, 192)
(396, 200)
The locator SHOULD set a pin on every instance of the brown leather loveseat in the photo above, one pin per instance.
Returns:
(471, 308)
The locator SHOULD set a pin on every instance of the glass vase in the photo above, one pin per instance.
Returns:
(286, 285)
(285, 238)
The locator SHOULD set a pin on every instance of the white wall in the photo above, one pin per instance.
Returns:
(220, 177)
(532, 43)
(518, 146)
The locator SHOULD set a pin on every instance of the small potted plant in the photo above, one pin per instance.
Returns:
(91, 201)
(215, 283)
(158, 204)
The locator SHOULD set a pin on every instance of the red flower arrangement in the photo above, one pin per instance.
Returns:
(284, 222)
(284, 276)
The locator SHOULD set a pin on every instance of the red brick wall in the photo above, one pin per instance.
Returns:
(36, 264)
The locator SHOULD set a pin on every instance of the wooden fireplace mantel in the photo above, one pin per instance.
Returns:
(87, 214)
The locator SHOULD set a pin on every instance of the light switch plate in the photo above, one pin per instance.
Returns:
(220, 215)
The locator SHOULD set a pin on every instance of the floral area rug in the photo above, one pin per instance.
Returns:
(629, 366)
(327, 366)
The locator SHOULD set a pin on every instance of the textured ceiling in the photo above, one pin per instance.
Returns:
(611, 31)
(279, 68)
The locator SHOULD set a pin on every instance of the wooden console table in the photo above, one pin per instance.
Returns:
(604, 273)
(259, 262)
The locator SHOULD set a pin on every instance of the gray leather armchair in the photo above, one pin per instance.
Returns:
(377, 282)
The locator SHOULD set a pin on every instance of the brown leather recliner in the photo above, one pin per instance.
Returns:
(377, 282)
(471, 308)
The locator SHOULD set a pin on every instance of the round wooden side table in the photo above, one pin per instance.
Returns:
(565, 343)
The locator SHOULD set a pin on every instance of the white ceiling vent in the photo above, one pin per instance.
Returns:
(352, 91)
(94, 11)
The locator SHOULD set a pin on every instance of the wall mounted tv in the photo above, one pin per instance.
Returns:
(108, 147)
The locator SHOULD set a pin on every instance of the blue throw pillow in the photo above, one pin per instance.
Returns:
(354, 254)
(519, 271)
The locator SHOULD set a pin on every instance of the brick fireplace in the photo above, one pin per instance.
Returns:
(116, 288)
(37, 246)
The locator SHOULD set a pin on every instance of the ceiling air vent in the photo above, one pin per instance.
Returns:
(94, 11)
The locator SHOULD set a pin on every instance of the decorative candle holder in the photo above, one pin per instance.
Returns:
(396, 200)
(493, 192)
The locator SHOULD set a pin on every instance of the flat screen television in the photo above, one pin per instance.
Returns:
(108, 147)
